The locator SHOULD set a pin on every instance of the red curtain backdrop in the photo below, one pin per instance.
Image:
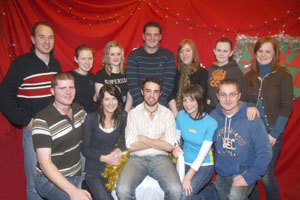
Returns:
(98, 22)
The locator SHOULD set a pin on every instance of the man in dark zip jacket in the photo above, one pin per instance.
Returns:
(25, 90)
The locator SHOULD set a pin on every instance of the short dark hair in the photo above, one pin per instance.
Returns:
(45, 23)
(152, 24)
(229, 81)
(223, 39)
(60, 76)
(152, 79)
(196, 92)
(114, 91)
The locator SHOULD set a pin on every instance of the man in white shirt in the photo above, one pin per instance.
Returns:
(150, 135)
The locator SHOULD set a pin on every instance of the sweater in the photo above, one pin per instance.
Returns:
(198, 78)
(216, 74)
(242, 146)
(141, 64)
(25, 89)
(276, 95)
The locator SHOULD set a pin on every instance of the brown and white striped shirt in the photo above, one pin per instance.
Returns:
(62, 135)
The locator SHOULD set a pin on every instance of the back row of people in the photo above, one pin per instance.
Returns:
(28, 80)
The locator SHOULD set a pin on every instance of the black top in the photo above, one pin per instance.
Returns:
(96, 142)
(119, 80)
(85, 90)
(198, 78)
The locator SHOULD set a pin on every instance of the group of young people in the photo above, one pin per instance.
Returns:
(217, 118)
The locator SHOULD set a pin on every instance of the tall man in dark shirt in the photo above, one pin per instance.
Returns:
(150, 60)
(25, 90)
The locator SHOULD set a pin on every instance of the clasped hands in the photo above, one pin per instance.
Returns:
(114, 157)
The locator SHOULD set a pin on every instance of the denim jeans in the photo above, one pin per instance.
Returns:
(227, 191)
(199, 180)
(96, 184)
(30, 161)
(48, 190)
(269, 180)
(82, 176)
(159, 167)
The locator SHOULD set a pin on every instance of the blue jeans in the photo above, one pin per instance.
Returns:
(199, 180)
(159, 167)
(48, 190)
(269, 180)
(30, 161)
(82, 176)
(227, 191)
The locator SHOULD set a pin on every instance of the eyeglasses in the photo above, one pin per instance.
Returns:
(224, 95)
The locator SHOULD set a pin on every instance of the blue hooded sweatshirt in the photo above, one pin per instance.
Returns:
(242, 146)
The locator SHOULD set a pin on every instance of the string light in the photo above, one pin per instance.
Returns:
(96, 19)
(166, 12)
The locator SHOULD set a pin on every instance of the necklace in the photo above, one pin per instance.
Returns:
(151, 112)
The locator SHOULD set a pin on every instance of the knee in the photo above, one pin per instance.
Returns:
(122, 190)
(174, 190)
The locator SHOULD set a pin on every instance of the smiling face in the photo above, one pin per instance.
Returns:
(190, 106)
(85, 61)
(64, 92)
(223, 52)
(110, 104)
(229, 97)
(186, 54)
(114, 56)
(152, 38)
(265, 54)
(43, 41)
(151, 93)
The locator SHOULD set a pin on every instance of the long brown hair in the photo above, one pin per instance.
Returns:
(275, 61)
(195, 61)
(114, 91)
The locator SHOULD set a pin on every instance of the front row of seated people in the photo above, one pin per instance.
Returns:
(242, 148)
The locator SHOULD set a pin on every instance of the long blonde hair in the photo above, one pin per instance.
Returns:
(105, 58)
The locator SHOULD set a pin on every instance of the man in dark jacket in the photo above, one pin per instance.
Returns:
(25, 90)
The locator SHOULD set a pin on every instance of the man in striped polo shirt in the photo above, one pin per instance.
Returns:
(57, 137)
(150, 60)
(25, 90)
